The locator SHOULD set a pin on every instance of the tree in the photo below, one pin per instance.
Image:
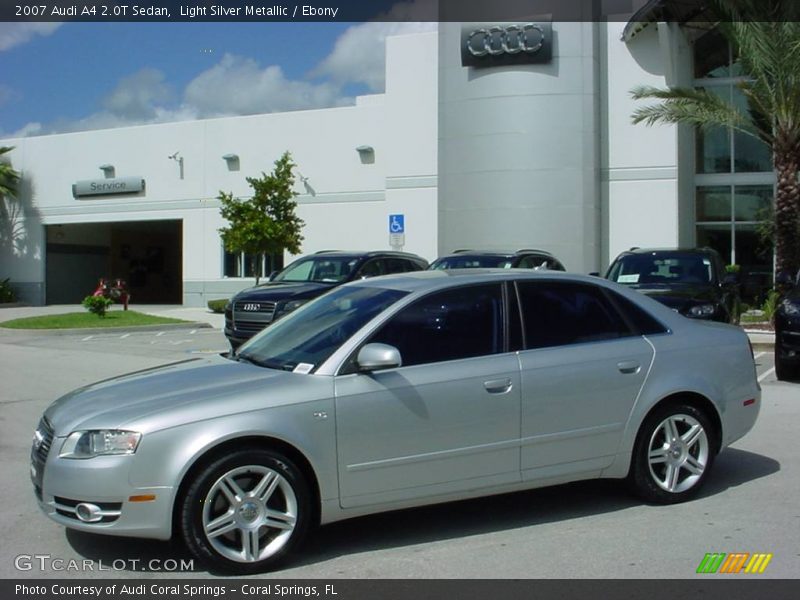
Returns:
(265, 224)
(9, 178)
(765, 35)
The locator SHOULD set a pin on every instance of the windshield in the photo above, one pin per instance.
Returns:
(472, 262)
(304, 339)
(654, 269)
(331, 269)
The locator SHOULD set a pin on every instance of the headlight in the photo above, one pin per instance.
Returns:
(702, 311)
(88, 444)
(790, 309)
(292, 305)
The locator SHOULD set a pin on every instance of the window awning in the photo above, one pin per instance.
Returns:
(692, 13)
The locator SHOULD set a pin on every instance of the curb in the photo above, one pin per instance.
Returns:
(762, 341)
(130, 329)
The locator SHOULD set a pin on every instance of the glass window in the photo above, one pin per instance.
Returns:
(750, 155)
(239, 264)
(712, 56)
(533, 261)
(713, 203)
(751, 202)
(462, 261)
(320, 268)
(372, 268)
(314, 331)
(643, 323)
(450, 325)
(559, 314)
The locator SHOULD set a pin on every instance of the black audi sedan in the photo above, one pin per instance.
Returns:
(787, 329)
(252, 309)
(690, 281)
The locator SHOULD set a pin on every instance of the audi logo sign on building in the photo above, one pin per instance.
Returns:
(485, 45)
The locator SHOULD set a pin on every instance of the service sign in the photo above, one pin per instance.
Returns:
(107, 187)
(495, 45)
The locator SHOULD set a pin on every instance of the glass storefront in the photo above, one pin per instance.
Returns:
(734, 178)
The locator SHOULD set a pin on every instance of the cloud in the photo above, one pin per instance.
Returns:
(359, 55)
(240, 86)
(138, 96)
(16, 34)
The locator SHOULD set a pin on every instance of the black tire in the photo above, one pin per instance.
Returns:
(258, 505)
(667, 472)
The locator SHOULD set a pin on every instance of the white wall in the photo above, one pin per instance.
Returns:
(344, 201)
(640, 163)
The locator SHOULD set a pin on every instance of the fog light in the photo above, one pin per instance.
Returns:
(88, 513)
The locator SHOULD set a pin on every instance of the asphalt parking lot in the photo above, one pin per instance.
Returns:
(592, 530)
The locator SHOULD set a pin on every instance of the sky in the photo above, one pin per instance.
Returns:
(63, 77)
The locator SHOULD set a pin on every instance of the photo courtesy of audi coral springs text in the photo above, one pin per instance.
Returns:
(393, 392)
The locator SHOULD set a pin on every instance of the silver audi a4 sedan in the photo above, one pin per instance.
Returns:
(395, 392)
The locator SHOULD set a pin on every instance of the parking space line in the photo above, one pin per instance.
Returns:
(87, 338)
(759, 355)
(122, 337)
(160, 333)
(766, 374)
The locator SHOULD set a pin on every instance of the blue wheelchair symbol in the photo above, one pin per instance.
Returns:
(397, 224)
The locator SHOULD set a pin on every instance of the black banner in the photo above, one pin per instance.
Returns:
(387, 589)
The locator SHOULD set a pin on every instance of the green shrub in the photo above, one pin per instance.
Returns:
(217, 306)
(771, 305)
(7, 293)
(97, 305)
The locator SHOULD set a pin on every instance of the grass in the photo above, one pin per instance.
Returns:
(86, 320)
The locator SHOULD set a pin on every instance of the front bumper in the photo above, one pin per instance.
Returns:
(61, 484)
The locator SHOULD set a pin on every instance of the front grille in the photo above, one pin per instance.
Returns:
(250, 326)
(44, 434)
(251, 307)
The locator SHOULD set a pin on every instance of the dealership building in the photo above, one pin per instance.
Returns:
(487, 136)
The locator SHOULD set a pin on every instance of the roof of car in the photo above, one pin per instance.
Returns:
(433, 279)
(363, 253)
(670, 251)
(471, 252)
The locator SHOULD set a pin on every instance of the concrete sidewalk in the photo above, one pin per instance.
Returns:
(174, 311)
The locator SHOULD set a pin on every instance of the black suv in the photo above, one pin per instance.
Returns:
(690, 281)
(479, 259)
(787, 329)
(251, 310)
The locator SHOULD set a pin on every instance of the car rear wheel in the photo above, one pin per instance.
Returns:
(674, 452)
(245, 512)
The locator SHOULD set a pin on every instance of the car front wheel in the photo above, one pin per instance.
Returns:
(674, 452)
(245, 512)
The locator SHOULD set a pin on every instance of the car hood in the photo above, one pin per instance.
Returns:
(277, 290)
(171, 395)
(680, 297)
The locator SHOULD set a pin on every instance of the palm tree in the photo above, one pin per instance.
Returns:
(767, 43)
(9, 178)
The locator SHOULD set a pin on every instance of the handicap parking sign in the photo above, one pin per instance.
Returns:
(397, 223)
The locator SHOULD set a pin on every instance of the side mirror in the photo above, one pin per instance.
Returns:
(376, 357)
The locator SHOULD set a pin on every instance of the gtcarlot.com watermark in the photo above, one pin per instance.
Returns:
(47, 562)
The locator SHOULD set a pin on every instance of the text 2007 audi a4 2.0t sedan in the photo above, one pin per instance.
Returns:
(394, 392)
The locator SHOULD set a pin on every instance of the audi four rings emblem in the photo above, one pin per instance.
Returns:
(250, 307)
(505, 44)
(505, 40)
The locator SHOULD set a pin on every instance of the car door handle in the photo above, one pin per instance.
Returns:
(498, 386)
(628, 366)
